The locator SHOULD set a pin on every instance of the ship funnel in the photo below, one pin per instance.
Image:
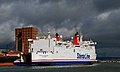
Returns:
(76, 40)
(57, 37)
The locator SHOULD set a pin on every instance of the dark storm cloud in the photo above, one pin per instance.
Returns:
(105, 29)
(58, 15)
(51, 12)
(96, 19)
(104, 5)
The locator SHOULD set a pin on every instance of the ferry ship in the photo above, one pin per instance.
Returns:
(49, 50)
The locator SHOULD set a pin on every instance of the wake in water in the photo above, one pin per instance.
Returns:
(66, 66)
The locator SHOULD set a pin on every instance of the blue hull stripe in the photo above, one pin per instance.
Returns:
(53, 63)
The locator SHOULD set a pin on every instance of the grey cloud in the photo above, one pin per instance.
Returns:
(53, 13)
(106, 5)
(104, 28)
(97, 19)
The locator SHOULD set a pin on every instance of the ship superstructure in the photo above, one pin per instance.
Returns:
(49, 50)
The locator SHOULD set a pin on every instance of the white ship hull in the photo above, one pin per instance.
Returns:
(49, 62)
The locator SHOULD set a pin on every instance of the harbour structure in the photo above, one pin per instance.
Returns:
(22, 35)
(49, 50)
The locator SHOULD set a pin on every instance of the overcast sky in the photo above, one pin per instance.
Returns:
(98, 20)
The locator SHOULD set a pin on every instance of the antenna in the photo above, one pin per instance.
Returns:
(49, 38)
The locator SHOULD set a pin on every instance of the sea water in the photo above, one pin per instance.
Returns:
(98, 67)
